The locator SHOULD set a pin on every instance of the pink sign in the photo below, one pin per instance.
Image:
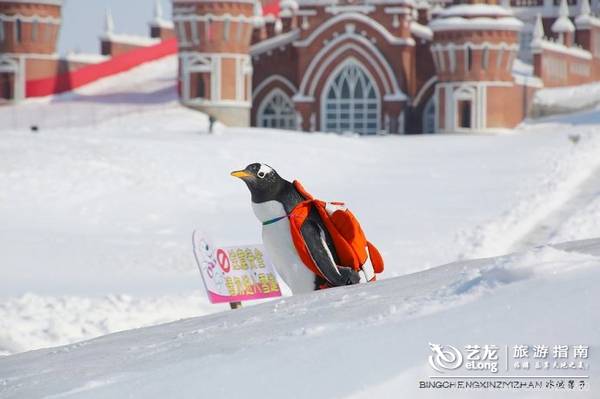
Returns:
(234, 274)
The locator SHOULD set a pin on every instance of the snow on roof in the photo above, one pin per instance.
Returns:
(478, 23)
(540, 44)
(86, 58)
(162, 23)
(563, 24)
(471, 10)
(291, 4)
(584, 21)
(331, 2)
(274, 42)
(129, 39)
(421, 31)
(522, 68)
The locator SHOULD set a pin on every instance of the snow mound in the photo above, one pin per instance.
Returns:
(34, 321)
(566, 99)
(361, 341)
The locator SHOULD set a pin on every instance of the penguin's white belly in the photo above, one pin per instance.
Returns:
(277, 240)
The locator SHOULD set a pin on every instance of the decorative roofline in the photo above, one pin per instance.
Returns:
(478, 23)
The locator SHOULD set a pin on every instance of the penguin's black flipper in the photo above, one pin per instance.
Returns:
(314, 237)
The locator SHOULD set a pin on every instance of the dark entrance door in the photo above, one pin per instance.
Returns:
(7, 86)
(464, 114)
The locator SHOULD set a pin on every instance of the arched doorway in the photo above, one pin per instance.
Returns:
(350, 101)
(465, 108)
(276, 111)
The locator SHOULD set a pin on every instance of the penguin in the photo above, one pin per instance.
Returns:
(273, 198)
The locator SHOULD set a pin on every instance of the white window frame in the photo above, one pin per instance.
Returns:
(350, 106)
(18, 30)
(182, 33)
(500, 53)
(468, 53)
(240, 26)
(279, 120)
(442, 60)
(485, 57)
(35, 25)
(510, 60)
(194, 30)
(436, 61)
(452, 58)
(226, 28)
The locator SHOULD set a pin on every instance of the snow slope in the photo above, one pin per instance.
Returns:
(98, 207)
(354, 342)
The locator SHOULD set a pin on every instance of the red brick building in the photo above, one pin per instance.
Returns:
(30, 65)
(393, 66)
(28, 35)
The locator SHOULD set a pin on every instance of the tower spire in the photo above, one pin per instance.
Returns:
(538, 29)
(158, 11)
(584, 9)
(109, 23)
(563, 11)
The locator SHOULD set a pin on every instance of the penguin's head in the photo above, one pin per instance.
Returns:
(262, 180)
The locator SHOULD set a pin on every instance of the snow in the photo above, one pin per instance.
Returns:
(587, 21)
(274, 42)
(135, 40)
(98, 208)
(353, 342)
(477, 23)
(86, 58)
(472, 10)
(571, 97)
(421, 31)
(539, 44)
(522, 68)
(563, 24)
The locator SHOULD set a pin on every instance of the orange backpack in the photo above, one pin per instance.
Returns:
(349, 240)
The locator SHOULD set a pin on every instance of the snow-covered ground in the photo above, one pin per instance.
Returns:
(98, 207)
(368, 341)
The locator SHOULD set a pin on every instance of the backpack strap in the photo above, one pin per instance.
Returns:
(302, 191)
(275, 220)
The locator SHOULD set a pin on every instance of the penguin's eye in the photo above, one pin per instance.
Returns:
(261, 174)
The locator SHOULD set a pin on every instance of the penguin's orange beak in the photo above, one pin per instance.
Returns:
(240, 173)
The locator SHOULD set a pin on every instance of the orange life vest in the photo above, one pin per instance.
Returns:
(351, 245)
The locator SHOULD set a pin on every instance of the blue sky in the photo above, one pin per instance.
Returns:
(83, 21)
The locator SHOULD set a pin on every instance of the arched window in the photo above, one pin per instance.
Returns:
(18, 31)
(277, 111)
(195, 35)
(485, 57)
(226, 27)
(429, 116)
(351, 102)
(34, 30)
(468, 58)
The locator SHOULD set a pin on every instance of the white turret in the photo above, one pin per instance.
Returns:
(563, 24)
